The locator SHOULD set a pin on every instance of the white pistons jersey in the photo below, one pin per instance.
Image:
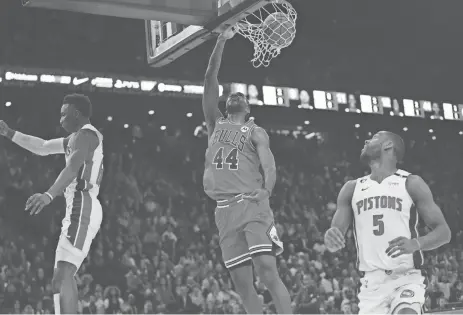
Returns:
(83, 210)
(382, 212)
(91, 173)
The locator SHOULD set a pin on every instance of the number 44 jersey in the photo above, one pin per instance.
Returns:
(232, 163)
(382, 212)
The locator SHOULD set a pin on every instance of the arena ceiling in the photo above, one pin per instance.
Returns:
(409, 48)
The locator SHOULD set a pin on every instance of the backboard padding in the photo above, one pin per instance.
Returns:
(190, 12)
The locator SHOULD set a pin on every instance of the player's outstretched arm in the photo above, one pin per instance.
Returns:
(33, 144)
(334, 237)
(211, 83)
(431, 214)
(85, 141)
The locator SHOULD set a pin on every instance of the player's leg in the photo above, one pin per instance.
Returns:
(264, 243)
(65, 294)
(243, 279)
(72, 249)
(374, 295)
(236, 257)
(266, 268)
(409, 298)
(64, 286)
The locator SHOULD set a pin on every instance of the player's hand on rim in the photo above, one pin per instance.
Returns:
(37, 202)
(257, 195)
(228, 33)
(402, 246)
(4, 129)
(334, 240)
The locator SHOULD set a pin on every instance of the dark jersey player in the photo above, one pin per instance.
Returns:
(237, 149)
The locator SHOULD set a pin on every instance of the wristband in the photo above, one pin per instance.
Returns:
(49, 195)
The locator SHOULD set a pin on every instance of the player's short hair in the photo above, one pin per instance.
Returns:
(398, 145)
(81, 102)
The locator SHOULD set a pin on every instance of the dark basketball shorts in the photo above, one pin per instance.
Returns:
(246, 228)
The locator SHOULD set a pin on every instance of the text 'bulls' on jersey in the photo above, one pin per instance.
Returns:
(232, 163)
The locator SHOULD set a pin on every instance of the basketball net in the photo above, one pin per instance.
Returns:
(269, 41)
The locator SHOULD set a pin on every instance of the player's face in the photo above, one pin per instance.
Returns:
(68, 118)
(373, 148)
(237, 103)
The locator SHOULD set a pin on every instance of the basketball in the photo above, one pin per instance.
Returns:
(279, 31)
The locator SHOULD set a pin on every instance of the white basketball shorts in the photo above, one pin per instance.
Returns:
(386, 292)
(80, 226)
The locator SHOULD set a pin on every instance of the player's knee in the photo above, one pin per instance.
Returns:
(243, 283)
(266, 269)
(56, 282)
(64, 271)
(406, 311)
(406, 308)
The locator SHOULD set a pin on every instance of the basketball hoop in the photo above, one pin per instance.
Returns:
(270, 29)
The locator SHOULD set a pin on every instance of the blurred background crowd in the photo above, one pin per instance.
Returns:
(157, 251)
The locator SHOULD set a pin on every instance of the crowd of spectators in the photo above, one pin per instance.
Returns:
(158, 252)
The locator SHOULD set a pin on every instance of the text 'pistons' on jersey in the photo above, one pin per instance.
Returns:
(232, 164)
(382, 212)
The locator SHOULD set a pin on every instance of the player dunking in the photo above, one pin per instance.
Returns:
(236, 150)
(385, 207)
(81, 178)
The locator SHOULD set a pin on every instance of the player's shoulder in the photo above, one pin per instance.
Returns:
(402, 173)
(347, 191)
(86, 133)
(350, 185)
(87, 136)
(258, 134)
(415, 184)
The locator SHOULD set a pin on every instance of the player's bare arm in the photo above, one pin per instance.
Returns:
(33, 144)
(211, 83)
(261, 142)
(432, 217)
(334, 237)
(85, 141)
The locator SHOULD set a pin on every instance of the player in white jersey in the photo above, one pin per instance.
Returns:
(384, 208)
(80, 180)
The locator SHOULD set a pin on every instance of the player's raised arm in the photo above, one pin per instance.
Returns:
(334, 237)
(431, 214)
(260, 140)
(211, 83)
(33, 144)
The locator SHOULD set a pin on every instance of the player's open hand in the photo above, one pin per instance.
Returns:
(402, 246)
(228, 33)
(37, 202)
(334, 240)
(4, 129)
(257, 195)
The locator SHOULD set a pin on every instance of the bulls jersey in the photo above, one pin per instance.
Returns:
(382, 212)
(232, 164)
(90, 174)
